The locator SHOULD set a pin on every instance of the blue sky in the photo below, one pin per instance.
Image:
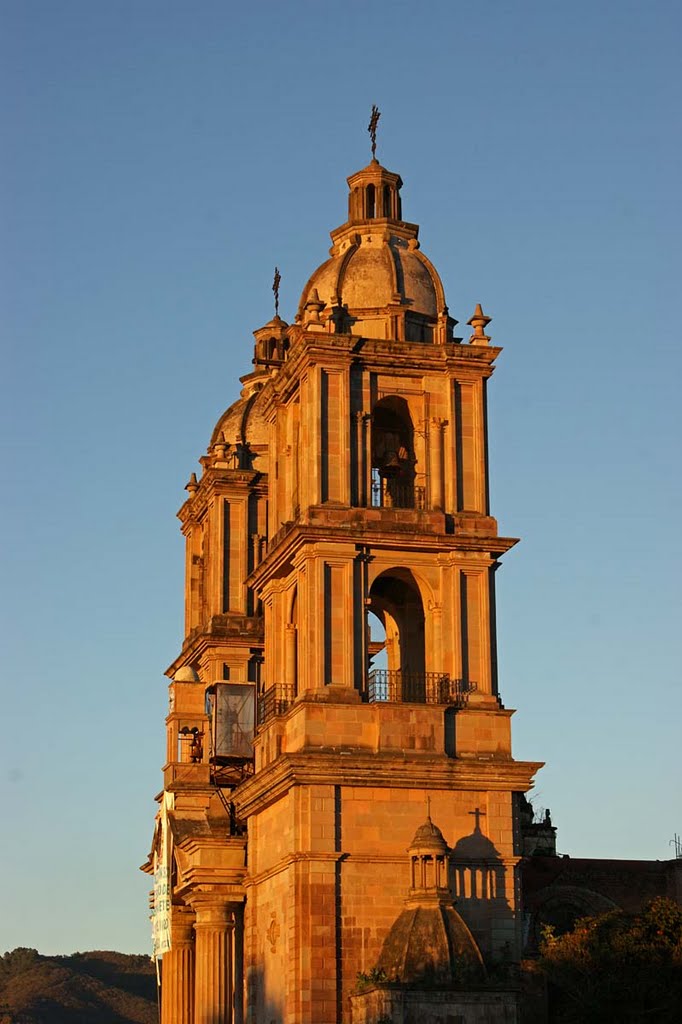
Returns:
(160, 158)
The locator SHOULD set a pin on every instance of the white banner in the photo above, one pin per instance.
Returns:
(161, 913)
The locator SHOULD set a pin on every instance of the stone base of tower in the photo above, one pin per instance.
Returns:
(404, 1006)
(338, 793)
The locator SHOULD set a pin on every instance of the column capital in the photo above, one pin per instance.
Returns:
(182, 926)
(212, 909)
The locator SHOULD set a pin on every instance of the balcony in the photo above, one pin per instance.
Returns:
(387, 686)
(383, 687)
(274, 702)
(388, 493)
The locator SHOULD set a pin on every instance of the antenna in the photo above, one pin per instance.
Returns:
(677, 843)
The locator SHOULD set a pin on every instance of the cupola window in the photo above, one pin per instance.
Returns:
(387, 201)
(371, 202)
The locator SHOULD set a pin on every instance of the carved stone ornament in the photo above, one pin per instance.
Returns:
(273, 932)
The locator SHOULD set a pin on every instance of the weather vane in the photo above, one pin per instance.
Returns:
(372, 129)
(275, 287)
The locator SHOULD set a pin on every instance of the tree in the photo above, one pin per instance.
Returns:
(617, 967)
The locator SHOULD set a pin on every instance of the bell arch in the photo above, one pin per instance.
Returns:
(392, 454)
(395, 599)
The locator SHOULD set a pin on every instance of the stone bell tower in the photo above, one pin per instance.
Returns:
(349, 483)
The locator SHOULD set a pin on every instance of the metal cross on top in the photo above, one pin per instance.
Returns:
(372, 128)
(275, 287)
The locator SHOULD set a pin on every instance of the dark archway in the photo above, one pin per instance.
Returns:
(393, 458)
(395, 599)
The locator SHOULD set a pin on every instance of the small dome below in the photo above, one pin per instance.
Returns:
(186, 674)
(429, 837)
(429, 945)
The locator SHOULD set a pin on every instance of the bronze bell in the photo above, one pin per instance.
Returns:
(392, 465)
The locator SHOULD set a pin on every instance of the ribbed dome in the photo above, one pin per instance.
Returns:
(373, 273)
(377, 283)
(429, 837)
(429, 944)
(243, 427)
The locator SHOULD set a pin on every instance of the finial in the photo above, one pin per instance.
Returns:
(479, 322)
(313, 308)
(275, 287)
(192, 486)
(372, 128)
(428, 808)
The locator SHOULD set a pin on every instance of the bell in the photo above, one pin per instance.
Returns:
(391, 466)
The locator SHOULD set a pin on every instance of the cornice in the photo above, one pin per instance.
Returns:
(393, 535)
(221, 482)
(392, 771)
(237, 630)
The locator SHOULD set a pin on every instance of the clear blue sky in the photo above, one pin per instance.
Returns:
(159, 159)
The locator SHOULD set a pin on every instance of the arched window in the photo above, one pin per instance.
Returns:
(393, 459)
(371, 202)
(395, 600)
(387, 201)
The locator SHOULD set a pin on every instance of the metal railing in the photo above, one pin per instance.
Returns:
(387, 494)
(274, 702)
(417, 688)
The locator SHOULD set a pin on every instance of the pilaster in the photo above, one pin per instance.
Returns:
(213, 986)
(177, 971)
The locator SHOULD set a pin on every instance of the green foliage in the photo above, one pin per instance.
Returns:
(377, 976)
(617, 966)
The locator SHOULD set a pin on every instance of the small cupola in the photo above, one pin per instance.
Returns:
(428, 854)
(374, 195)
(272, 344)
(429, 943)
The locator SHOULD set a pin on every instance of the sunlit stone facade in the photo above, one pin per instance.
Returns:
(347, 484)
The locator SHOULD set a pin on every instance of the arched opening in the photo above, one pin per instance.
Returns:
(376, 643)
(395, 600)
(291, 649)
(387, 201)
(371, 201)
(272, 353)
(393, 458)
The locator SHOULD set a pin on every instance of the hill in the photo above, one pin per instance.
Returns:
(100, 987)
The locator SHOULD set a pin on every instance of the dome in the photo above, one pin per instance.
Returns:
(371, 273)
(243, 428)
(377, 283)
(429, 837)
(243, 422)
(186, 674)
(429, 944)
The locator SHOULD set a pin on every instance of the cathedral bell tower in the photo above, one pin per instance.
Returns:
(347, 486)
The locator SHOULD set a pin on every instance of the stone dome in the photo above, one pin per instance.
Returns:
(371, 272)
(186, 674)
(242, 422)
(242, 426)
(429, 944)
(429, 837)
(377, 283)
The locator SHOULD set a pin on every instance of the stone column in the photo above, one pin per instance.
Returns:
(360, 482)
(177, 971)
(238, 983)
(213, 958)
(290, 655)
(437, 463)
